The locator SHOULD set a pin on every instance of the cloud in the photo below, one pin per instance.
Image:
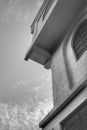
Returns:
(24, 90)
(14, 10)
(38, 82)
(21, 83)
(20, 116)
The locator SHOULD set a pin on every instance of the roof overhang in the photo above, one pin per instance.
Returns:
(56, 24)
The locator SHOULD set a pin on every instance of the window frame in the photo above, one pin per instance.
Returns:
(73, 38)
(78, 108)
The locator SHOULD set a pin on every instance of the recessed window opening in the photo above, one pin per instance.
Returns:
(77, 120)
(80, 40)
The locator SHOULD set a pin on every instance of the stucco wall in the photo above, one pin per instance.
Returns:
(59, 77)
(68, 72)
(56, 122)
(77, 68)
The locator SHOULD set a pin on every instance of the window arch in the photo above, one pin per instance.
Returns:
(80, 40)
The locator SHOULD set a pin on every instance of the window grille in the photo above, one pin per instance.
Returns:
(80, 40)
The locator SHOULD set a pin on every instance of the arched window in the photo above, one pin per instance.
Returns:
(80, 40)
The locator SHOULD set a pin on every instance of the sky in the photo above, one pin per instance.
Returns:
(16, 17)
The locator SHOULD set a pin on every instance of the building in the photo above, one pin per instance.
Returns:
(60, 44)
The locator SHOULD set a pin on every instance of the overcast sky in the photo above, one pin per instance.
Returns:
(16, 17)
